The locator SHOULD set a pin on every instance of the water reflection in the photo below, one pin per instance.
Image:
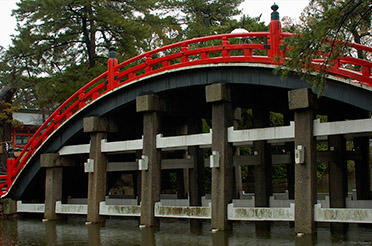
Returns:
(119, 231)
(94, 234)
(306, 240)
(263, 229)
(148, 236)
(221, 238)
(9, 232)
(50, 233)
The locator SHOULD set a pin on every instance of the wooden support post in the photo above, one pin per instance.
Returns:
(337, 178)
(238, 182)
(196, 173)
(150, 106)
(98, 128)
(262, 172)
(222, 171)
(289, 148)
(362, 168)
(302, 102)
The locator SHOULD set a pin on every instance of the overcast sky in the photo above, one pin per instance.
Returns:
(253, 8)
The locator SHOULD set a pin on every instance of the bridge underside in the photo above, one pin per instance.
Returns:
(183, 91)
(184, 94)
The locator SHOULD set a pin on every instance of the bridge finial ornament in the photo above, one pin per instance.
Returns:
(112, 52)
(275, 14)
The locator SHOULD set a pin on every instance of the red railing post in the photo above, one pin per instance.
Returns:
(148, 66)
(275, 35)
(9, 171)
(366, 72)
(225, 43)
(112, 69)
(184, 49)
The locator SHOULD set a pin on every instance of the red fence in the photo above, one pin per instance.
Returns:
(224, 48)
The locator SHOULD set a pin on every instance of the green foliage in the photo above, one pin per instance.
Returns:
(276, 119)
(63, 44)
(323, 23)
(204, 18)
(206, 125)
(208, 180)
(279, 173)
(246, 121)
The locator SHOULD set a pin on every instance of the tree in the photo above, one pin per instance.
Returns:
(62, 44)
(203, 18)
(324, 23)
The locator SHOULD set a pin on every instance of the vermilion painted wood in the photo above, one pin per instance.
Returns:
(197, 51)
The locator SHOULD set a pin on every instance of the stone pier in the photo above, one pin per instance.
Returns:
(302, 102)
(53, 183)
(222, 154)
(150, 164)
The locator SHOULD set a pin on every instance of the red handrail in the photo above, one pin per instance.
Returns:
(197, 51)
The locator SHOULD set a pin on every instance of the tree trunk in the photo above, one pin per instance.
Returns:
(6, 97)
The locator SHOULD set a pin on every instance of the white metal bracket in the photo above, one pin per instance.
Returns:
(143, 163)
(214, 159)
(300, 154)
(89, 166)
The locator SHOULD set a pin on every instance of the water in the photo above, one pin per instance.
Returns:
(119, 231)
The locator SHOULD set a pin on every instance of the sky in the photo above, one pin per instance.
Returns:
(253, 8)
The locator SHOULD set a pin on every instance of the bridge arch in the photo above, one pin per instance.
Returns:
(252, 84)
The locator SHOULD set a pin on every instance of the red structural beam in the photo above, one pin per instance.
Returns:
(223, 48)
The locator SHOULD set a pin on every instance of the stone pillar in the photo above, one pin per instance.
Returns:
(222, 172)
(302, 102)
(150, 106)
(98, 128)
(53, 184)
(262, 172)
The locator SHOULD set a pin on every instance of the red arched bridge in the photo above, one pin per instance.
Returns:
(179, 73)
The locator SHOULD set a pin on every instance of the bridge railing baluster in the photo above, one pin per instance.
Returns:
(184, 49)
(366, 72)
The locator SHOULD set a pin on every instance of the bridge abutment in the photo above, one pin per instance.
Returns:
(222, 154)
(151, 106)
(302, 102)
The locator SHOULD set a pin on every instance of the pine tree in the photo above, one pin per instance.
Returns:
(62, 44)
(324, 22)
(203, 18)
